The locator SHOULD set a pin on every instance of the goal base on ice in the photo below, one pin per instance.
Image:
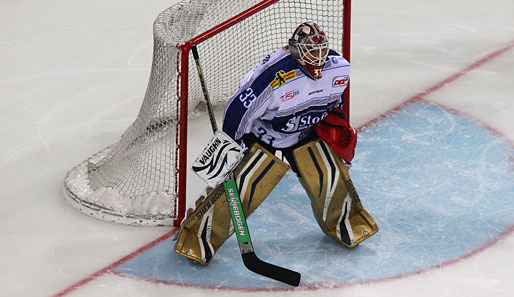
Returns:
(153, 209)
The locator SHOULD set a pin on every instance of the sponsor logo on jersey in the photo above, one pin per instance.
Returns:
(289, 95)
(281, 78)
(303, 121)
(316, 91)
(340, 81)
(285, 47)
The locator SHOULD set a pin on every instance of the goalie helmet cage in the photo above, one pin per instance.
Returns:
(141, 179)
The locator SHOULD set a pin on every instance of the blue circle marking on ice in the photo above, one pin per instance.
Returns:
(439, 186)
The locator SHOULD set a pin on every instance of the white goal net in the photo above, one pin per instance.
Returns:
(140, 179)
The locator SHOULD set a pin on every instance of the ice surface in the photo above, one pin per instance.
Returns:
(438, 185)
(72, 77)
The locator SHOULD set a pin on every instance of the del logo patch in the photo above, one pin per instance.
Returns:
(281, 78)
(340, 81)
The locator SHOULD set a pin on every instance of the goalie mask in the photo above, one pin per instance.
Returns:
(309, 46)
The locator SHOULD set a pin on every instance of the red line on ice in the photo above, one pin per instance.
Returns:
(111, 267)
(441, 84)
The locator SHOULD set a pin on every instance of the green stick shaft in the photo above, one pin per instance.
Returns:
(236, 211)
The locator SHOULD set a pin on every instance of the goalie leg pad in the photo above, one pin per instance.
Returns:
(208, 225)
(335, 203)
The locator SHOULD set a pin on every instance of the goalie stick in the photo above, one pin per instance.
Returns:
(250, 259)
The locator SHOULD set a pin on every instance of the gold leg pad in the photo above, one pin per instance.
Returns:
(209, 224)
(335, 203)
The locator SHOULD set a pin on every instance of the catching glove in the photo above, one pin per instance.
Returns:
(336, 132)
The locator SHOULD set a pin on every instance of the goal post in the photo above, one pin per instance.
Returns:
(142, 179)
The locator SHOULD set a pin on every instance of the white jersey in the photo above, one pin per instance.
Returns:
(279, 104)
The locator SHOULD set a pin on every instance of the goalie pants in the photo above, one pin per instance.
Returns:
(287, 153)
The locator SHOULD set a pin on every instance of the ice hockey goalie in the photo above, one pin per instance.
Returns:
(276, 108)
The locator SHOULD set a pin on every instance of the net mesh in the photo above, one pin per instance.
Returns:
(134, 180)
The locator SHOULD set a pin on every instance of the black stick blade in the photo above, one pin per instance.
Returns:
(269, 270)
